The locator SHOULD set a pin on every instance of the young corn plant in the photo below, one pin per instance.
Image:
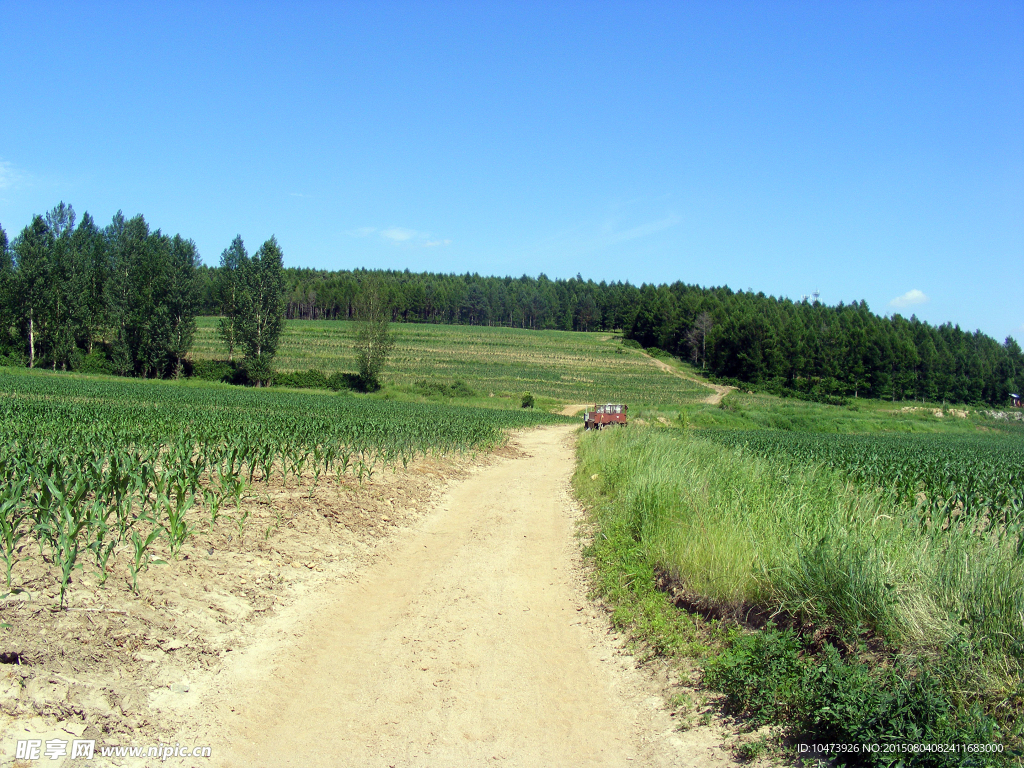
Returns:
(142, 558)
(62, 530)
(212, 499)
(12, 515)
(177, 526)
(99, 528)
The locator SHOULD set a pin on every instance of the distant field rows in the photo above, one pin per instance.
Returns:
(569, 366)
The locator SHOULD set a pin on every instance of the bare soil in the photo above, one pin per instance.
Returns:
(434, 616)
(574, 409)
(718, 390)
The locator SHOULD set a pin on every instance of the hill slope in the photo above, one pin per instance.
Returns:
(565, 365)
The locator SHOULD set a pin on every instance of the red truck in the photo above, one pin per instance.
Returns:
(605, 415)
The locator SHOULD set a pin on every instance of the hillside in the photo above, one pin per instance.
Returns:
(563, 365)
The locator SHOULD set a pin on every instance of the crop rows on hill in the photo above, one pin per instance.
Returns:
(89, 468)
(949, 478)
(568, 366)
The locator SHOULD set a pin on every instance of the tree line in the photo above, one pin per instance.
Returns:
(790, 347)
(128, 296)
(124, 298)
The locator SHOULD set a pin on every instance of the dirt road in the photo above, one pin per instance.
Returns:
(471, 644)
(718, 390)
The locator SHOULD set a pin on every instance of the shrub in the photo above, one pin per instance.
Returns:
(95, 362)
(824, 698)
(217, 370)
(527, 400)
(457, 388)
(311, 379)
(13, 359)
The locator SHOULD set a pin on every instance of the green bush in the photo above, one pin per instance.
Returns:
(311, 379)
(823, 698)
(13, 359)
(760, 675)
(217, 370)
(95, 362)
(457, 388)
(527, 400)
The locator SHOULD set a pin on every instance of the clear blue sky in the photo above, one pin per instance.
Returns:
(867, 150)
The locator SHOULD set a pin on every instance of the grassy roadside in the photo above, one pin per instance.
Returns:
(875, 636)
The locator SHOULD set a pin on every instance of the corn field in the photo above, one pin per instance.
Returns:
(93, 469)
(950, 480)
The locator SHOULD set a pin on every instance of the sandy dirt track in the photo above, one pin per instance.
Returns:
(472, 643)
(718, 390)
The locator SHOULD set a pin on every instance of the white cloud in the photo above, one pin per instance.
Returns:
(8, 176)
(645, 229)
(909, 299)
(399, 234)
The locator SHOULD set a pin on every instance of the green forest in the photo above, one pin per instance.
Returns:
(125, 297)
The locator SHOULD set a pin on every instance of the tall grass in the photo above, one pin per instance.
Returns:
(739, 532)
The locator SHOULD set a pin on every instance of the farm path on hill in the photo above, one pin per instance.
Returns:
(718, 390)
(471, 643)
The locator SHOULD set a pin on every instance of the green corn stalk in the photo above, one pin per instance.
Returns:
(99, 514)
(12, 515)
(62, 529)
(177, 527)
(212, 500)
(141, 557)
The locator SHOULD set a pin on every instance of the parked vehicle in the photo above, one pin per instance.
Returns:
(605, 415)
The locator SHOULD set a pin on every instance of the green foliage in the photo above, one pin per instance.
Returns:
(565, 366)
(950, 480)
(761, 675)
(229, 290)
(436, 388)
(527, 400)
(95, 362)
(373, 339)
(261, 311)
(110, 466)
(13, 359)
(216, 370)
(311, 379)
(771, 676)
(741, 532)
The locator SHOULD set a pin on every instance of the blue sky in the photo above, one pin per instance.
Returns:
(866, 150)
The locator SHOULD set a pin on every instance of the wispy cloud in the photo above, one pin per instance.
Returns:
(401, 236)
(597, 234)
(644, 229)
(296, 194)
(909, 299)
(361, 231)
(9, 176)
